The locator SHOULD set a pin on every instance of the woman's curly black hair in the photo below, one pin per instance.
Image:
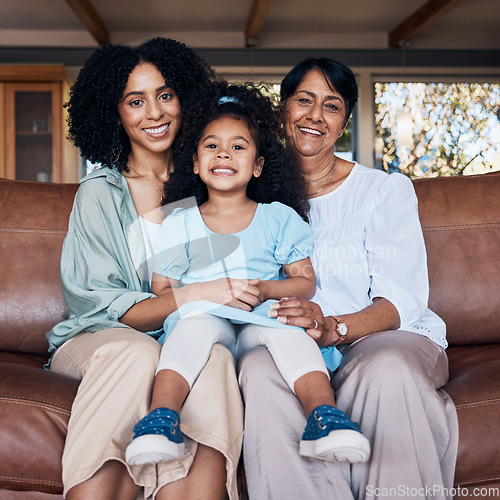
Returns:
(281, 179)
(93, 104)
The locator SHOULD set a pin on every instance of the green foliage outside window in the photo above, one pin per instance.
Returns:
(437, 129)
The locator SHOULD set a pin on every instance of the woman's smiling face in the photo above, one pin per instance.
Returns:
(150, 111)
(314, 116)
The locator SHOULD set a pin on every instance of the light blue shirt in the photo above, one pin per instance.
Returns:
(188, 251)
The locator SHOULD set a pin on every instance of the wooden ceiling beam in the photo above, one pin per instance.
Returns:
(91, 20)
(426, 15)
(255, 21)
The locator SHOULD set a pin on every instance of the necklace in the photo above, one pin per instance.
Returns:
(322, 178)
(144, 177)
(328, 176)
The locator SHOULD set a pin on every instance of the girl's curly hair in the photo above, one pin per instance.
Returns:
(93, 104)
(281, 179)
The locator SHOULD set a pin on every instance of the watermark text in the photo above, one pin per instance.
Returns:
(403, 491)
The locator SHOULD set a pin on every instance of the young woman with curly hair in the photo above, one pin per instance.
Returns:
(128, 110)
(239, 174)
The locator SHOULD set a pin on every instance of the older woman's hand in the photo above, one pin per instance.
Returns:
(308, 315)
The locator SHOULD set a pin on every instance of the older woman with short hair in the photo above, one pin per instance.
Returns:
(371, 303)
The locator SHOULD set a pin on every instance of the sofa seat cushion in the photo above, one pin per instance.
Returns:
(28, 495)
(22, 358)
(35, 406)
(474, 386)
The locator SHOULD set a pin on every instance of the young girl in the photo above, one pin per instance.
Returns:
(242, 225)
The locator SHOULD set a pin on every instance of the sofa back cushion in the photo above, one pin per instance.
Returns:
(460, 219)
(33, 222)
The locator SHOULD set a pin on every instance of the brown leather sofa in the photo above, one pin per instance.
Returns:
(461, 221)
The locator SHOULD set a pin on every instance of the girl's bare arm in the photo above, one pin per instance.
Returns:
(300, 282)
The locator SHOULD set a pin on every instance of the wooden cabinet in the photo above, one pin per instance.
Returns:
(33, 128)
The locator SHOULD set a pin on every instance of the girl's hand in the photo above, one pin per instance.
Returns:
(241, 294)
(308, 315)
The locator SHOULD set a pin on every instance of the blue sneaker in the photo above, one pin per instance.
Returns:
(157, 438)
(331, 435)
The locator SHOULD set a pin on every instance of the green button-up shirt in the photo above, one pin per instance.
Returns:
(103, 258)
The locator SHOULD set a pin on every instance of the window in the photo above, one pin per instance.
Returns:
(428, 129)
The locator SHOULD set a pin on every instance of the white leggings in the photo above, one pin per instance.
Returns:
(187, 349)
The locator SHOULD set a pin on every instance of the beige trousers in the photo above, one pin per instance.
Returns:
(116, 367)
(389, 382)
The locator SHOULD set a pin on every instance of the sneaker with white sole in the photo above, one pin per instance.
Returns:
(331, 435)
(157, 438)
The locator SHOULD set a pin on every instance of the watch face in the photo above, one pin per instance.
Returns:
(342, 328)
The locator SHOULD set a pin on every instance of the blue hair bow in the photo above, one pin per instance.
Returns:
(226, 99)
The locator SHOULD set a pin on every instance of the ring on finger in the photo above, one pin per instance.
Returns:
(315, 324)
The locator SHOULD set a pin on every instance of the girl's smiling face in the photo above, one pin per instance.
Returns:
(226, 157)
(150, 111)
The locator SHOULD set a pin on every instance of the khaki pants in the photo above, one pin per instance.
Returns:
(390, 383)
(116, 367)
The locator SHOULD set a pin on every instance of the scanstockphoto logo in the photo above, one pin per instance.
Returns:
(435, 491)
(351, 260)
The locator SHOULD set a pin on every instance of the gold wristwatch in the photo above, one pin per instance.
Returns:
(340, 329)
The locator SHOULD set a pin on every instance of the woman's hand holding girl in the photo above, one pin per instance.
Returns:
(150, 314)
(307, 315)
(379, 316)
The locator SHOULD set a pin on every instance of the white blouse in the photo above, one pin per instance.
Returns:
(368, 243)
(150, 232)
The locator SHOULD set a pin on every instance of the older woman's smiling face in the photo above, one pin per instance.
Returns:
(315, 116)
